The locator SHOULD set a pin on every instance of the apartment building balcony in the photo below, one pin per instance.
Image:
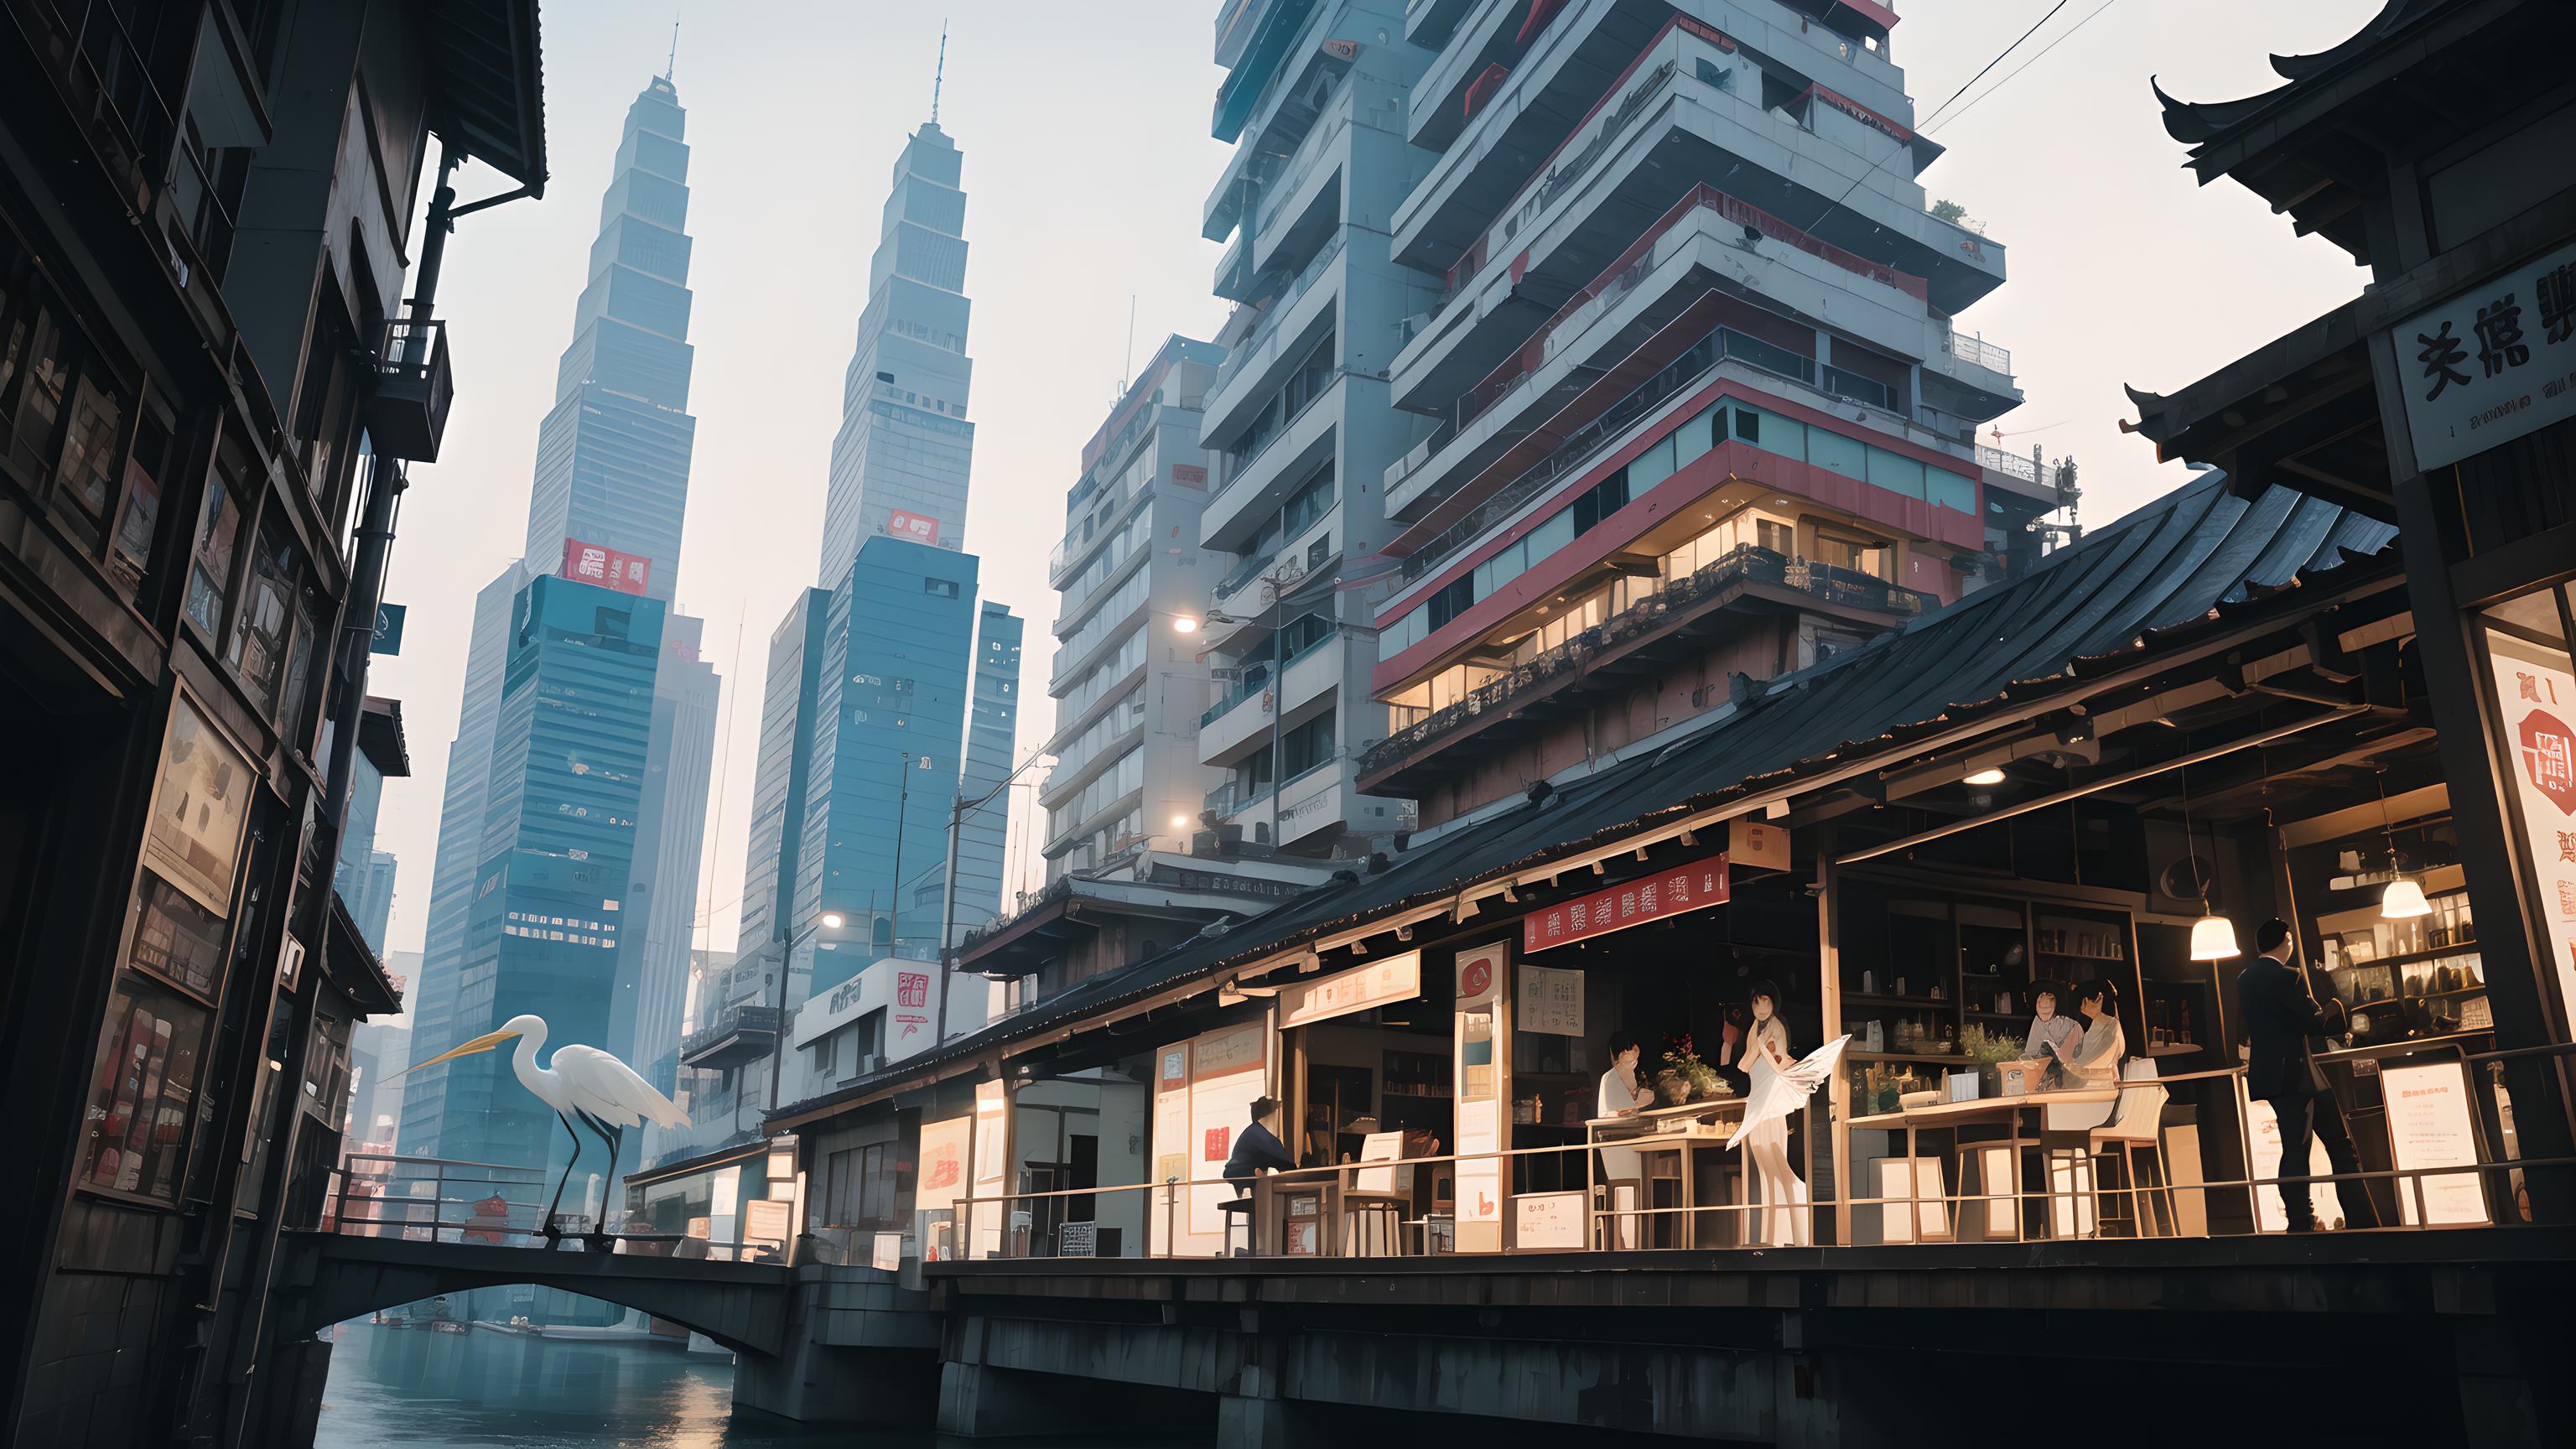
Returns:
(1257, 582)
(1536, 257)
(1632, 338)
(1250, 487)
(1327, 796)
(1429, 23)
(1301, 312)
(742, 1032)
(1968, 376)
(414, 386)
(1066, 780)
(1269, 60)
(1666, 627)
(1241, 714)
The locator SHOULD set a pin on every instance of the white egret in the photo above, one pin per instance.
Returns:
(581, 1081)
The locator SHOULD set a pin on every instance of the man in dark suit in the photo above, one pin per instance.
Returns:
(1258, 1146)
(2281, 1018)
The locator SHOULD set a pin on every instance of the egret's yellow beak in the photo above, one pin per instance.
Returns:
(483, 1043)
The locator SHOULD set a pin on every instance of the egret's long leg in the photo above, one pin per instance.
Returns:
(548, 1226)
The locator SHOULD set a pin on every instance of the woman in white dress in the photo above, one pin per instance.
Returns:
(2095, 1062)
(1623, 1095)
(1766, 1145)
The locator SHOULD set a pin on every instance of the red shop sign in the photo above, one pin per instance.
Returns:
(1667, 893)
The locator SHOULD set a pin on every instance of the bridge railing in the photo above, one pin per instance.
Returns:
(448, 1200)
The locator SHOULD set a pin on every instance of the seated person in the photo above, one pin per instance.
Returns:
(2051, 1035)
(2095, 1059)
(1258, 1146)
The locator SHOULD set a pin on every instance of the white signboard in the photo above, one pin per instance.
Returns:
(886, 1252)
(942, 1176)
(992, 1167)
(1544, 1221)
(1379, 983)
(1227, 1071)
(2493, 363)
(2536, 704)
(1480, 1181)
(2428, 1126)
(2269, 1215)
(1171, 1162)
(766, 1221)
(1380, 1147)
(1551, 1001)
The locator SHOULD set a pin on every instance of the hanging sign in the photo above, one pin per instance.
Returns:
(2536, 695)
(1379, 983)
(1551, 1001)
(1670, 893)
(2493, 363)
(1756, 843)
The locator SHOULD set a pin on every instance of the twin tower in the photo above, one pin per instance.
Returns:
(566, 880)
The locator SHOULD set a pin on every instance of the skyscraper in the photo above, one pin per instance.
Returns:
(992, 726)
(900, 462)
(605, 511)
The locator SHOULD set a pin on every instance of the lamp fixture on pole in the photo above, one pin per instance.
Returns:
(2213, 937)
(2403, 900)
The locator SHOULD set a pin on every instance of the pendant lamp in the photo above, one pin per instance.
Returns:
(2403, 900)
(2213, 936)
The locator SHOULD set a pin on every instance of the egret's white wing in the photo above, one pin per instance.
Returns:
(1782, 1092)
(612, 1091)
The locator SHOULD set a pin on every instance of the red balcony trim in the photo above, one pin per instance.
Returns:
(1971, 534)
(1863, 114)
(1918, 518)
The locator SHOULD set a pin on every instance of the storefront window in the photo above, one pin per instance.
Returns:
(139, 1104)
(2533, 684)
(275, 625)
(175, 938)
(210, 571)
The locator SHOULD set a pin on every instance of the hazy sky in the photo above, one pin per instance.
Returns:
(1084, 127)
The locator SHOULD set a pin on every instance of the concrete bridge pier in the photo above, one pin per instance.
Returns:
(859, 1349)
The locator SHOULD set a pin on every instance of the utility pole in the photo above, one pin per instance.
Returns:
(958, 809)
(894, 895)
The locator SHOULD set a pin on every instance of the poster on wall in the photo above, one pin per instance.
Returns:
(2429, 1127)
(942, 1178)
(1550, 1001)
(2536, 702)
(992, 1164)
(199, 803)
(1228, 1070)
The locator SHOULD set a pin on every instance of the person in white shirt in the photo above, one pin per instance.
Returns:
(2052, 1035)
(2095, 1061)
(1623, 1095)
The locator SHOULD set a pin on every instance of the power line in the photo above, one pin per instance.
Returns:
(1927, 121)
(2062, 38)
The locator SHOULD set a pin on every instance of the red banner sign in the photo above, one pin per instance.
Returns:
(920, 528)
(590, 564)
(1669, 893)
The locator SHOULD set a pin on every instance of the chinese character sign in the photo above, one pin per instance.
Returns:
(920, 528)
(588, 563)
(912, 988)
(1666, 893)
(2492, 363)
(2536, 696)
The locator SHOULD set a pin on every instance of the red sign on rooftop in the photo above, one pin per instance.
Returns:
(1666, 893)
(591, 564)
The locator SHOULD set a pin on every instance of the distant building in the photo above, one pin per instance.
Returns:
(605, 512)
(900, 462)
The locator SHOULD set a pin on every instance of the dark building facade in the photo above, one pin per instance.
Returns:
(207, 376)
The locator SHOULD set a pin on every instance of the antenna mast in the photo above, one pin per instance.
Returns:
(673, 63)
(939, 77)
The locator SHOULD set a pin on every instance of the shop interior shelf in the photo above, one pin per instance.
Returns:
(1901, 1003)
(2081, 956)
(2410, 958)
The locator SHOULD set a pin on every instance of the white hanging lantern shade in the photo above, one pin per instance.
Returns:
(2404, 900)
(2213, 938)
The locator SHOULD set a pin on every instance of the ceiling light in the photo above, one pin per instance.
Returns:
(2213, 939)
(2404, 900)
(1990, 775)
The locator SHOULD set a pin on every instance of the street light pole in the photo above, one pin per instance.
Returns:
(958, 810)
(894, 892)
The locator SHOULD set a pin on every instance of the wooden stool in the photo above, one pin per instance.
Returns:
(1239, 1211)
(1383, 1211)
(1665, 1165)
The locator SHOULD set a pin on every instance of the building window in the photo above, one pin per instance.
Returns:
(940, 588)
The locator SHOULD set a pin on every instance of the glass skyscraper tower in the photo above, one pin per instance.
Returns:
(565, 881)
(900, 462)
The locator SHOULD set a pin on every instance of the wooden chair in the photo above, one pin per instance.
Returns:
(1238, 1211)
(2136, 1125)
(1617, 1223)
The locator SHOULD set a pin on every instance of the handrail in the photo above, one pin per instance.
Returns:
(1744, 563)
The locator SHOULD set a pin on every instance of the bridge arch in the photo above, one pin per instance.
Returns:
(330, 1278)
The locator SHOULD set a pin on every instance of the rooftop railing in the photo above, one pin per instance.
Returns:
(1979, 351)
(2011, 465)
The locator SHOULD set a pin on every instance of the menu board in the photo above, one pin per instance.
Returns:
(1171, 1127)
(1550, 1001)
(766, 1221)
(2536, 699)
(2428, 1127)
(1379, 983)
(1547, 1221)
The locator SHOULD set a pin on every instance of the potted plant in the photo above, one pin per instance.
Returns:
(1699, 1080)
(1987, 1049)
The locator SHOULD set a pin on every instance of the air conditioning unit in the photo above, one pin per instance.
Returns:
(870, 1062)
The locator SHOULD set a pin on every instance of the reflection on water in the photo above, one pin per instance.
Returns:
(408, 1386)
(411, 1387)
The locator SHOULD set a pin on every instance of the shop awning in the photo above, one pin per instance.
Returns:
(487, 83)
(351, 965)
(2167, 567)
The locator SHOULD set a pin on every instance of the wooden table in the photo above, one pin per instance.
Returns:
(1681, 1129)
(1976, 1111)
